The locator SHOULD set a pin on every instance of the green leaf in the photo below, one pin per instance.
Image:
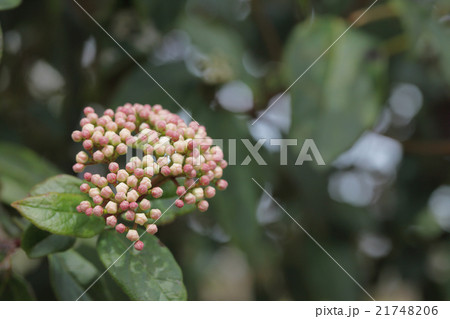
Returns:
(21, 169)
(150, 274)
(15, 288)
(338, 97)
(9, 4)
(222, 50)
(169, 210)
(71, 274)
(39, 243)
(58, 184)
(56, 213)
(428, 36)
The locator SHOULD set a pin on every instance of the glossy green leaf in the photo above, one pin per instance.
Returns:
(56, 213)
(222, 50)
(9, 4)
(58, 184)
(71, 274)
(39, 243)
(14, 288)
(150, 274)
(20, 170)
(338, 97)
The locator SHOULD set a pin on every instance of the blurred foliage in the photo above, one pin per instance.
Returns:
(376, 105)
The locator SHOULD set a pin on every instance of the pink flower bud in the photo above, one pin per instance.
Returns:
(98, 156)
(122, 175)
(120, 228)
(113, 167)
(130, 167)
(203, 206)
(111, 207)
(78, 168)
(108, 151)
(124, 134)
(160, 150)
(160, 125)
(96, 137)
(122, 187)
(157, 192)
(95, 179)
(121, 149)
(88, 145)
(89, 211)
(76, 136)
(124, 205)
(98, 210)
(87, 176)
(109, 112)
(204, 180)
(120, 197)
(176, 169)
(130, 126)
(149, 171)
(139, 245)
(85, 205)
(132, 181)
(179, 203)
(79, 209)
(212, 164)
(112, 126)
(111, 221)
(115, 139)
(192, 173)
(169, 150)
(84, 188)
(218, 172)
(132, 196)
(177, 158)
(134, 206)
(103, 140)
(210, 192)
(102, 182)
(189, 198)
(180, 147)
(139, 172)
(130, 215)
(143, 189)
(85, 134)
(181, 190)
(87, 110)
(148, 150)
(132, 235)
(140, 219)
(187, 168)
(145, 204)
(106, 192)
(222, 184)
(155, 214)
(189, 183)
(94, 192)
(111, 178)
(152, 229)
(198, 193)
(97, 199)
(223, 164)
(165, 170)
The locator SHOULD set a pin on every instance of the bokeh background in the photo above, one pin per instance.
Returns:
(376, 104)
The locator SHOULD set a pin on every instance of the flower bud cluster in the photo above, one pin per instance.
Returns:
(172, 152)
